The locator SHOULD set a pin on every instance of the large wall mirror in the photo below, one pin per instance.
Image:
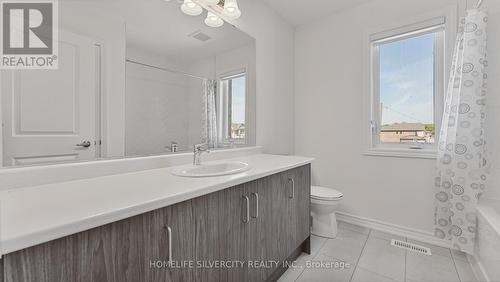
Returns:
(135, 78)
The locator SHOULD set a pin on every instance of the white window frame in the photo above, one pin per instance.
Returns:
(435, 25)
(222, 105)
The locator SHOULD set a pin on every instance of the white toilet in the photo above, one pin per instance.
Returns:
(324, 203)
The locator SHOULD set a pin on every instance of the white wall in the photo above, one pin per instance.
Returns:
(493, 105)
(149, 58)
(274, 68)
(157, 106)
(330, 117)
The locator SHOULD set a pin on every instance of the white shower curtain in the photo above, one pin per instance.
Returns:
(461, 160)
(209, 132)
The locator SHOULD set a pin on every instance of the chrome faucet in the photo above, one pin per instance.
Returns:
(174, 147)
(197, 151)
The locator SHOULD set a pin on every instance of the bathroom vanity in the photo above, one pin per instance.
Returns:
(248, 226)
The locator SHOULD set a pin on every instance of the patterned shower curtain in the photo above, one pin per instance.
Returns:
(461, 152)
(209, 132)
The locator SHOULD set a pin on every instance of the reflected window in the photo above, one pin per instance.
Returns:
(233, 108)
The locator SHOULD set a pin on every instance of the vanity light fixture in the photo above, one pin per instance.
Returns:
(213, 20)
(190, 8)
(228, 8)
(231, 9)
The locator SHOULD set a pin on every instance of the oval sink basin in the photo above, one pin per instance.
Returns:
(211, 169)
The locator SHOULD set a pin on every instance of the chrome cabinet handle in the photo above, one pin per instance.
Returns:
(247, 202)
(169, 232)
(256, 195)
(293, 188)
(84, 144)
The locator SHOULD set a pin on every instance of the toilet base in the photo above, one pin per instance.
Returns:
(324, 225)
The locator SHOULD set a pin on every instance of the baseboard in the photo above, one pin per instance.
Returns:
(478, 269)
(414, 234)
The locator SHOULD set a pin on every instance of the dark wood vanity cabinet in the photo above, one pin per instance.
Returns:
(256, 222)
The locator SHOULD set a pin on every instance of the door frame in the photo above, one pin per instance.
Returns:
(1, 126)
(99, 101)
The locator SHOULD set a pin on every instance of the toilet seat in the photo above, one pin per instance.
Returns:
(326, 194)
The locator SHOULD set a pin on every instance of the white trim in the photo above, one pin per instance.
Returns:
(409, 28)
(233, 73)
(478, 269)
(402, 153)
(411, 233)
(99, 124)
(1, 124)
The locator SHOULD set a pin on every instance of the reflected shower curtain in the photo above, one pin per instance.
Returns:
(209, 134)
(461, 161)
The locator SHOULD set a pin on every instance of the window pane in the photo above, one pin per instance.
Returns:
(407, 90)
(238, 90)
(224, 108)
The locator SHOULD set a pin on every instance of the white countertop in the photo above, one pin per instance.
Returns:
(34, 215)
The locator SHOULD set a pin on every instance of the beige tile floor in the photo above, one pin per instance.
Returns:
(360, 254)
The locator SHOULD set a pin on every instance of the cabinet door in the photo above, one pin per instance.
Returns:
(234, 232)
(270, 226)
(143, 245)
(303, 204)
(180, 241)
(280, 215)
(279, 219)
(208, 241)
(256, 242)
(297, 183)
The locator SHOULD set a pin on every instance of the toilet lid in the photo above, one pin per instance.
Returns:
(318, 192)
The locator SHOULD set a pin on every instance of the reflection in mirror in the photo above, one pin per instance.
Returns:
(141, 78)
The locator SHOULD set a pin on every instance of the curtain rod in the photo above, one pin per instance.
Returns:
(165, 69)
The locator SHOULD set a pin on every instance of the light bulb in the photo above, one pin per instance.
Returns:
(231, 9)
(212, 2)
(191, 8)
(213, 20)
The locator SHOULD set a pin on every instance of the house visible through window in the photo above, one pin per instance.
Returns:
(233, 108)
(407, 81)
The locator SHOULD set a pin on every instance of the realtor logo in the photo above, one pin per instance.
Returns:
(29, 34)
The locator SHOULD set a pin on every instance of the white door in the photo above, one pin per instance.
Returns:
(50, 115)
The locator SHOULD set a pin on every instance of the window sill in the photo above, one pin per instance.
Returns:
(402, 153)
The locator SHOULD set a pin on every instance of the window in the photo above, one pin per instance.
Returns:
(407, 74)
(232, 101)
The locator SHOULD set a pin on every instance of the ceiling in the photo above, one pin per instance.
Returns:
(299, 12)
(159, 27)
